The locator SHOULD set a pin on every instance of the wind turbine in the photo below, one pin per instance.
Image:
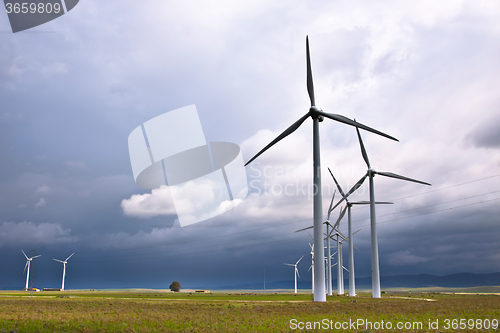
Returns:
(64, 268)
(28, 264)
(318, 116)
(312, 267)
(328, 235)
(373, 219)
(340, 238)
(296, 269)
(352, 283)
(340, 266)
(328, 249)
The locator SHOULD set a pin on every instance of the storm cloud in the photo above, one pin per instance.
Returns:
(73, 89)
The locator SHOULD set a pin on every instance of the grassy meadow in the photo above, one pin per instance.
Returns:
(161, 311)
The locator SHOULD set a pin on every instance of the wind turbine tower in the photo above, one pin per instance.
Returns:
(64, 268)
(27, 267)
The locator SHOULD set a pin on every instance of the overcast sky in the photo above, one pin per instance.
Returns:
(72, 90)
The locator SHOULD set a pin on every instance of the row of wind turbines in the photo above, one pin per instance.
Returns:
(28, 264)
(321, 271)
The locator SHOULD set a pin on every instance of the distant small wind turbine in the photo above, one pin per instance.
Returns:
(28, 264)
(318, 116)
(64, 268)
(296, 269)
(352, 279)
(335, 232)
(328, 250)
(328, 258)
(373, 219)
(312, 267)
(340, 265)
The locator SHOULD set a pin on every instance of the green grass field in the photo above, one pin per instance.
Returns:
(160, 311)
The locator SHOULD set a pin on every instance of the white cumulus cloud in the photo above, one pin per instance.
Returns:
(157, 203)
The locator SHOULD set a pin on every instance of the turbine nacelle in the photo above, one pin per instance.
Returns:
(315, 113)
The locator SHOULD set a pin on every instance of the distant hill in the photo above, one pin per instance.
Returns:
(460, 280)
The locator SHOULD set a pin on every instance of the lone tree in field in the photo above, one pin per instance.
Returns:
(175, 286)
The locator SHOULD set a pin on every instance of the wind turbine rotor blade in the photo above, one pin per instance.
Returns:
(25, 266)
(338, 203)
(348, 121)
(345, 268)
(297, 271)
(285, 133)
(343, 237)
(69, 256)
(393, 175)
(356, 248)
(289, 265)
(338, 186)
(363, 150)
(36, 256)
(58, 260)
(311, 246)
(360, 203)
(354, 233)
(305, 228)
(310, 236)
(301, 259)
(310, 86)
(352, 190)
(331, 204)
(310, 268)
(334, 265)
(368, 202)
(341, 215)
(24, 254)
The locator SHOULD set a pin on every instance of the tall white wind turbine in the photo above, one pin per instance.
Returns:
(373, 219)
(64, 268)
(296, 269)
(28, 264)
(317, 116)
(352, 279)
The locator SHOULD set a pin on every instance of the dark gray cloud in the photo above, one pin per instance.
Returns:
(69, 100)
